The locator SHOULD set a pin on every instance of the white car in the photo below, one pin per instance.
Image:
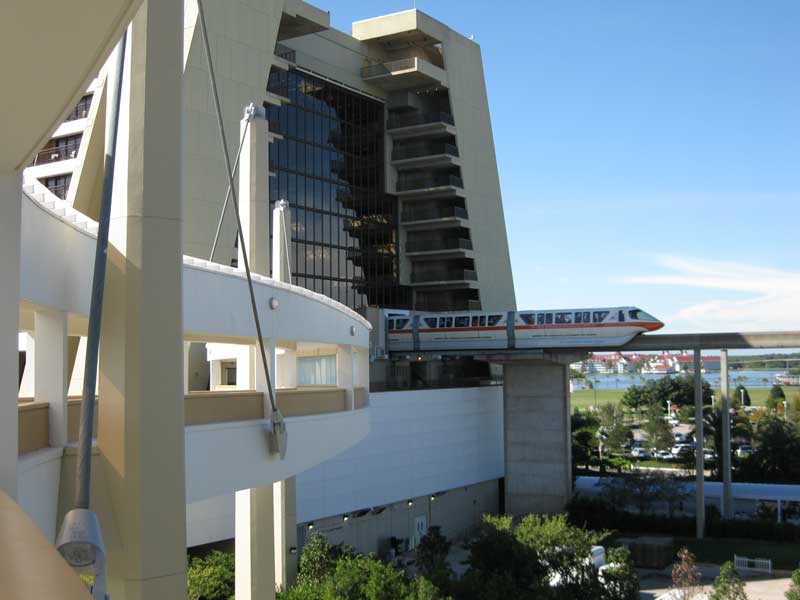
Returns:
(664, 455)
(640, 453)
(681, 450)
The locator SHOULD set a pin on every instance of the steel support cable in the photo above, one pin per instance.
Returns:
(228, 193)
(286, 243)
(276, 418)
(83, 471)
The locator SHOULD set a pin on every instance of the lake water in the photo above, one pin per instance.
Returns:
(626, 380)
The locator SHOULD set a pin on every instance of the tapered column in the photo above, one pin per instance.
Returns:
(254, 544)
(285, 504)
(254, 193)
(10, 224)
(727, 497)
(50, 369)
(27, 384)
(76, 376)
(699, 456)
(344, 373)
(141, 419)
(281, 232)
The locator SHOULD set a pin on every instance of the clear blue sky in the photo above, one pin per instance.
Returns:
(649, 151)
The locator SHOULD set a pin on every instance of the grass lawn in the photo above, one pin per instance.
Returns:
(717, 551)
(583, 399)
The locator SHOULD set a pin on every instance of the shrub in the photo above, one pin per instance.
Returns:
(794, 589)
(728, 585)
(686, 577)
(318, 559)
(621, 582)
(211, 577)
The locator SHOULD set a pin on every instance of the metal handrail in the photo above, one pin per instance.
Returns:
(408, 120)
(419, 149)
(427, 214)
(49, 155)
(440, 244)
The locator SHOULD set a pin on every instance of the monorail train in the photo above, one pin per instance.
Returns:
(566, 328)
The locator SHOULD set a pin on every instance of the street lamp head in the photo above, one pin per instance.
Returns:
(80, 541)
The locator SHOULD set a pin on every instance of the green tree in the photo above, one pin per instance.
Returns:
(793, 414)
(728, 585)
(712, 430)
(794, 590)
(657, 430)
(211, 577)
(776, 458)
(635, 398)
(431, 557)
(318, 559)
(612, 417)
(584, 440)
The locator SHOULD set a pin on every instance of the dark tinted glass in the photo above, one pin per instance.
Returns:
(330, 169)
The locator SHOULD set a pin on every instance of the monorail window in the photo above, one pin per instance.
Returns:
(400, 323)
(621, 316)
(540, 319)
(528, 319)
(445, 321)
(475, 321)
(639, 315)
(462, 321)
(494, 320)
(578, 318)
(391, 323)
(483, 321)
(430, 322)
(548, 318)
(599, 316)
(564, 318)
(587, 316)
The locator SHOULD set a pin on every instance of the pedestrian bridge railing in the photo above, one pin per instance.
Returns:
(761, 565)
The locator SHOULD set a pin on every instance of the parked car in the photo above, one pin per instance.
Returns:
(640, 453)
(664, 455)
(674, 422)
(744, 450)
(679, 450)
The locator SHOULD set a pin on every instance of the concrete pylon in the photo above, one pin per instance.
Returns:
(537, 433)
(254, 544)
(254, 192)
(141, 416)
(50, 369)
(10, 225)
(285, 507)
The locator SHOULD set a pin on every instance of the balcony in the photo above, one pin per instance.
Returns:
(447, 277)
(285, 53)
(50, 155)
(444, 244)
(406, 73)
(433, 213)
(424, 154)
(416, 124)
(429, 185)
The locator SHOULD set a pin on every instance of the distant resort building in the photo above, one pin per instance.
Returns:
(666, 363)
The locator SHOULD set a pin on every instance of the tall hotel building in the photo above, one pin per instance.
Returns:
(381, 143)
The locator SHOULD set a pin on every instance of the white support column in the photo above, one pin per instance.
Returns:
(727, 497)
(141, 429)
(254, 192)
(246, 359)
(699, 457)
(186, 346)
(286, 368)
(285, 507)
(76, 378)
(10, 225)
(254, 544)
(344, 373)
(27, 386)
(281, 232)
(50, 369)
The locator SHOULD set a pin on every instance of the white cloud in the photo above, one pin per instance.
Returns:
(769, 297)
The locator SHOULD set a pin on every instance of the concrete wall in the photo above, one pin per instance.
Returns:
(470, 106)
(420, 443)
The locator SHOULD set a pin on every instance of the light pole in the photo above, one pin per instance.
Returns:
(742, 393)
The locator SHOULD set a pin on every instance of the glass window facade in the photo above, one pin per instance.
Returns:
(330, 169)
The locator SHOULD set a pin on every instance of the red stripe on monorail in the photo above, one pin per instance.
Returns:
(648, 326)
